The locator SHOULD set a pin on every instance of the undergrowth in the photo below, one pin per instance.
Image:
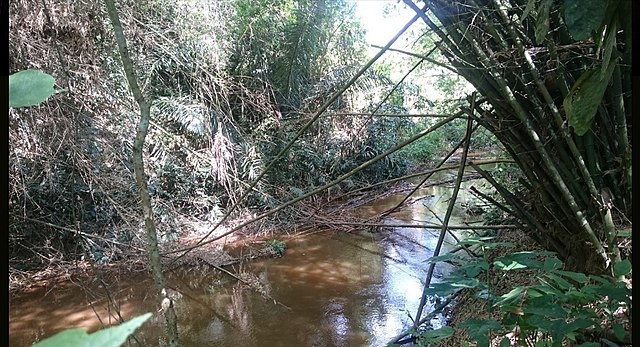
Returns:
(559, 308)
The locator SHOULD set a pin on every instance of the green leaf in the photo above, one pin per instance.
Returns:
(583, 16)
(542, 20)
(475, 268)
(542, 323)
(551, 263)
(478, 329)
(475, 240)
(433, 336)
(581, 104)
(580, 297)
(577, 324)
(624, 233)
(600, 279)
(609, 45)
(534, 293)
(618, 330)
(510, 297)
(559, 281)
(589, 344)
(451, 287)
(109, 337)
(505, 342)
(445, 257)
(547, 289)
(29, 88)
(527, 10)
(622, 268)
(615, 293)
(491, 245)
(548, 310)
(576, 276)
(519, 260)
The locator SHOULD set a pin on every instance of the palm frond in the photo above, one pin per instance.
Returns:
(292, 70)
(185, 114)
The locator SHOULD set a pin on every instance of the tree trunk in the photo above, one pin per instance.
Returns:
(141, 179)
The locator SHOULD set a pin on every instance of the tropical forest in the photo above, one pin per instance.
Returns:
(320, 173)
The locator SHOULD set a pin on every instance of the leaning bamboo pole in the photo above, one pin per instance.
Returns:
(525, 72)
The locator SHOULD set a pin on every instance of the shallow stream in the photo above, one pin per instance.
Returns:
(330, 289)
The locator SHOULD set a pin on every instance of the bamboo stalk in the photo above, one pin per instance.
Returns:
(621, 130)
(447, 216)
(548, 162)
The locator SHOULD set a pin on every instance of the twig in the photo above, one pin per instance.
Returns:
(436, 310)
(223, 270)
(447, 216)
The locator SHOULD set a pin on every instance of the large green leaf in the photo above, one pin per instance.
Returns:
(576, 276)
(551, 263)
(542, 20)
(110, 337)
(561, 282)
(452, 286)
(583, 16)
(622, 268)
(511, 297)
(581, 104)
(618, 330)
(29, 88)
(475, 268)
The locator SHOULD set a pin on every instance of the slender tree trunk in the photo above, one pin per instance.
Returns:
(141, 179)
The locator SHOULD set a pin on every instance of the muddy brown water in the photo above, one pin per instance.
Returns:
(332, 289)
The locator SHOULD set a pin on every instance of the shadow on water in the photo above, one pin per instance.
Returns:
(333, 289)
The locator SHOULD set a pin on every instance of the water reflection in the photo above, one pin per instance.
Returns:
(333, 289)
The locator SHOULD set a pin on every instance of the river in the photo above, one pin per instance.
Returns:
(329, 289)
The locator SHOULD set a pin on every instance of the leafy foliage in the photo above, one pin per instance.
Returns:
(533, 89)
(584, 17)
(30, 88)
(559, 305)
(582, 102)
(109, 337)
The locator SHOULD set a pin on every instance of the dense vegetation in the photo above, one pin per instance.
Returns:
(256, 105)
(230, 85)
